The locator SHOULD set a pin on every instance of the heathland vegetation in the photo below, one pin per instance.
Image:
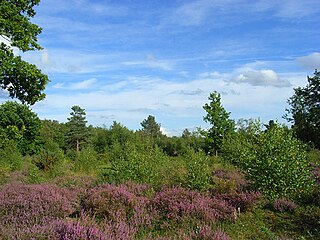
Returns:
(234, 180)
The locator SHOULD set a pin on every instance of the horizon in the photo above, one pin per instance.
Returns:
(124, 60)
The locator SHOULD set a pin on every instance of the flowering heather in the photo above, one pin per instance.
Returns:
(178, 203)
(242, 201)
(119, 203)
(231, 176)
(205, 233)
(85, 228)
(27, 209)
(315, 172)
(283, 205)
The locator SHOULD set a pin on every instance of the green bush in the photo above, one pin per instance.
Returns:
(199, 173)
(49, 156)
(274, 159)
(137, 163)
(10, 157)
(86, 160)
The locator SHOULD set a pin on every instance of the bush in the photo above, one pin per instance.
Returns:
(136, 163)
(49, 156)
(28, 209)
(284, 205)
(199, 172)
(10, 157)
(274, 160)
(176, 204)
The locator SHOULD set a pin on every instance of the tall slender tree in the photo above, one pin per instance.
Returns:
(77, 133)
(220, 122)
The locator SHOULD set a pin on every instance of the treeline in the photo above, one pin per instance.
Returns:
(271, 155)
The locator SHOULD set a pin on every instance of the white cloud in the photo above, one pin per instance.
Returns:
(311, 61)
(261, 78)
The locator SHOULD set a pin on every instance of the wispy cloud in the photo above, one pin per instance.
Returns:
(82, 85)
(151, 62)
(311, 61)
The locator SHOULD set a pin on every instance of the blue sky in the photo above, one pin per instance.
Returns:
(123, 60)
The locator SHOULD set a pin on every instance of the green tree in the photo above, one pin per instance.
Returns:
(21, 79)
(304, 112)
(150, 127)
(77, 133)
(221, 124)
(274, 160)
(20, 124)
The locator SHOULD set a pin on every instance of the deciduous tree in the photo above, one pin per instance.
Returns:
(304, 111)
(220, 122)
(21, 79)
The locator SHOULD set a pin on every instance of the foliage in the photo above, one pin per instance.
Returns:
(52, 131)
(49, 156)
(20, 78)
(135, 163)
(283, 204)
(26, 209)
(77, 134)
(274, 160)
(150, 127)
(199, 172)
(218, 117)
(175, 204)
(10, 157)
(305, 112)
(86, 161)
(20, 124)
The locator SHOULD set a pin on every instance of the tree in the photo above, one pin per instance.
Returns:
(150, 127)
(275, 161)
(21, 79)
(218, 117)
(77, 134)
(20, 124)
(305, 111)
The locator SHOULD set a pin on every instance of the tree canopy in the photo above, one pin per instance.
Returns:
(151, 127)
(19, 124)
(77, 133)
(21, 79)
(220, 122)
(304, 111)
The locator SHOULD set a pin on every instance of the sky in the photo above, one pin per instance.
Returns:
(124, 60)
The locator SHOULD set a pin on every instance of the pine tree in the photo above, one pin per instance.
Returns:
(77, 133)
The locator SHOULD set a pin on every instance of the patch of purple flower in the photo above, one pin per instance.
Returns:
(242, 201)
(315, 172)
(28, 209)
(178, 203)
(284, 205)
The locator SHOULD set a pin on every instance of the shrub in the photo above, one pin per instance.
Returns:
(242, 201)
(199, 172)
(136, 163)
(284, 205)
(274, 160)
(228, 181)
(118, 203)
(176, 204)
(10, 157)
(206, 233)
(27, 209)
(49, 156)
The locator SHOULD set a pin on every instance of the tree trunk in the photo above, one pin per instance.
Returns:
(77, 145)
